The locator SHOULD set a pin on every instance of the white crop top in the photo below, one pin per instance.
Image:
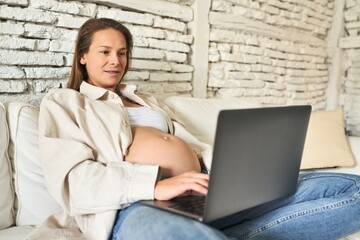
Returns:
(145, 116)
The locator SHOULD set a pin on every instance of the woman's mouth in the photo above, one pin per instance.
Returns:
(112, 72)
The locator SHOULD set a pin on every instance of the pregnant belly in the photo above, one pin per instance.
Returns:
(152, 146)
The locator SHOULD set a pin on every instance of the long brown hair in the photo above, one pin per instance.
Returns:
(83, 42)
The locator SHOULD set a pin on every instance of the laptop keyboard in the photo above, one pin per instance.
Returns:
(192, 204)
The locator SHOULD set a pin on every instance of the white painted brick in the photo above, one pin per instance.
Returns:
(252, 40)
(231, 66)
(235, 83)
(250, 59)
(144, 31)
(265, 77)
(168, 45)
(279, 70)
(148, 53)
(70, 21)
(240, 10)
(248, 49)
(230, 93)
(10, 86)
(30, 58)
(214, 50)
(276, 85)
(181, 68)
(224, 47)
(275, 54)
(282, 5)
(151, 65)
(11, 42)
(148, 87)
(20, 97)
(214, 57)
(175, 57)
(11, 28)
(178, 37)
(256, 67)
(305, 80)
(226, 36)
(221, 6)
(140, 42)
(7, 42)
(264, 60)
(68, 59)
(216, 73)
(168, 23)
(126, 16)
(270, 9)
(315, 87)
(300, 65)
(47, 72)
(40, 86)
(51, 32)
(22, 3)
(163, 76)
(224, 56)
(26, 14)
(62, 46)
(137, 75)
(350, 17)
(65, 7)
(240, 75)
(306, 73)
(177, 87)
(296, 87)
(11, 72)
(267, 68)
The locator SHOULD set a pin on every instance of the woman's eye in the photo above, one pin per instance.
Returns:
(122, 54)
(104, 52)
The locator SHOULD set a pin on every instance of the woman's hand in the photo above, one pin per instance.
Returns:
(181, 185)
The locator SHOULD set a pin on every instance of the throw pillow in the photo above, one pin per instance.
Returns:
(7, 194)
(34, 203)
(326, 144)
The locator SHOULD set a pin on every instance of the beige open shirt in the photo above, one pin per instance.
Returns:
(83, 137)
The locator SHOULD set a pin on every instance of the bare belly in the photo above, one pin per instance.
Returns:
(152, 146)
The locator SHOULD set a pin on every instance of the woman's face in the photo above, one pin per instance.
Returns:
(106, 59)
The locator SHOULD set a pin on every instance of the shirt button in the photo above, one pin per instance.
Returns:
(124, 122)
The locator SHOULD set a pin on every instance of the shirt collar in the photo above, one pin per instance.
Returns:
(92, 91)
(95, 92)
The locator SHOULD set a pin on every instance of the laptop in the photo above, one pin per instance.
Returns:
(256, 159)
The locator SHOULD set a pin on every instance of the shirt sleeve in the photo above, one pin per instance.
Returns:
(79, 183)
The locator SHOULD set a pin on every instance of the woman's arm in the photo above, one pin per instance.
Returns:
(79, 182)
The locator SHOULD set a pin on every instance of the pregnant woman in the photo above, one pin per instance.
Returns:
(104, 147)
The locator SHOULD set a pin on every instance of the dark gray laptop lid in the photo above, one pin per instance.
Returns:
(256, 158)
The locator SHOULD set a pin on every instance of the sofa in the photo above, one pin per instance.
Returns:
(25, 201)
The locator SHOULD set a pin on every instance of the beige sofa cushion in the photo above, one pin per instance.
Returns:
(200, 115)
(34, 202)
(7, 195)
(326, 144)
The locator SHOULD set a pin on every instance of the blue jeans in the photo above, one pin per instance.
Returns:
(325, 206)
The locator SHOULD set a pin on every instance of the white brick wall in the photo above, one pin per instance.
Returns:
(350, 87)
(272, 50)
(37, 41)
(278, 67)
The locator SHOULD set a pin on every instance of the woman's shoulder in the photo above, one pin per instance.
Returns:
(62, 94)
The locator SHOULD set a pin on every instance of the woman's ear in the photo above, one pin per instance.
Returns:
(82, 60)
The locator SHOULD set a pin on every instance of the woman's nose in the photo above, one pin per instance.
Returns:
(114, 60)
